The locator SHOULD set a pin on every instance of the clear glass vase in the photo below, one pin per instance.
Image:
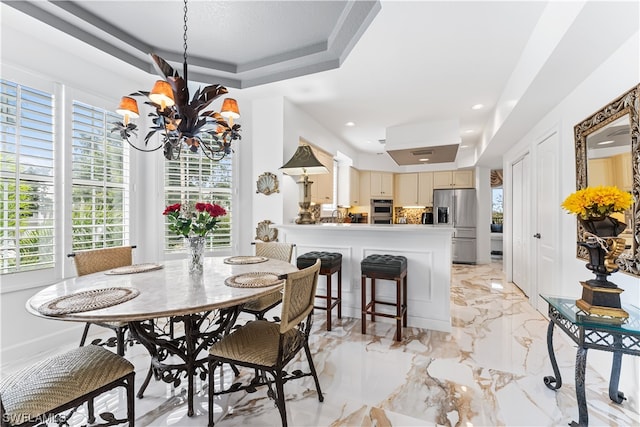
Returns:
(195, 250)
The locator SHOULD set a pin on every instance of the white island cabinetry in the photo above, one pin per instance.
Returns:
(428, 252)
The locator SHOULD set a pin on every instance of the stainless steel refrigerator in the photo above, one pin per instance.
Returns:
(457, 209)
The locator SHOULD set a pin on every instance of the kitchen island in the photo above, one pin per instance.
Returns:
(428, 252)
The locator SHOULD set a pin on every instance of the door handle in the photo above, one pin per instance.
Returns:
(537, 235)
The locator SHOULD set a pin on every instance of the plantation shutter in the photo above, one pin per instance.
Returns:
(195, 178)
(27, 193)
(100, 180)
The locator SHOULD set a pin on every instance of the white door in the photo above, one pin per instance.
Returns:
(546, 223)
(520, 223)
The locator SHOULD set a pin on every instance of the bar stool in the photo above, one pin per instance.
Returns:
(331, 262)
(387, 267)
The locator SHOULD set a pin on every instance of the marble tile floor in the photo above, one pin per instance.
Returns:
(487, 372)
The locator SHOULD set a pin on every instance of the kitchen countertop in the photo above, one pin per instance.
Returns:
(370, 227)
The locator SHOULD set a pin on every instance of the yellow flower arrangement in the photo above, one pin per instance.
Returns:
(597, 202)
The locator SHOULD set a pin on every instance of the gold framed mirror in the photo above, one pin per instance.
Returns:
(608, 153)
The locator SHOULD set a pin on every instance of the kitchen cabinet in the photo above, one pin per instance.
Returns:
(382, 184)
(453, 179)
(365, 188)
(622, 170)
(600, 171)
(414, 189)
(406, 192)
(354, 188)
(322, 187)
(425, 189)
(613, 170)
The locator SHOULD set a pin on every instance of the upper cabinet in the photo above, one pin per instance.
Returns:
(453, 179)
(622, 170)
(425, 189)
(612, 170)
(322, 187)
(414, 189)
(601, 172)
(365, 187)
(382, 184)
(354, 188)
(406, 193)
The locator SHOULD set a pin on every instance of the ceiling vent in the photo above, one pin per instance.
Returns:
(422, 153)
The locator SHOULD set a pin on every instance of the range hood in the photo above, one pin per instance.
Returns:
(414, 144)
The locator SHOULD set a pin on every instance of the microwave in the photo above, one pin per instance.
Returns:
(381, 207)
(381, 211)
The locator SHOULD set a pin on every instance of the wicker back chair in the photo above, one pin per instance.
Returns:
(273, 250)
(93, 261)
(268, 347)
(34, 395)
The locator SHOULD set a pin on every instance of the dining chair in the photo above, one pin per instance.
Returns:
(268, 346)
(93, 261)
(273, 250)
(38, 394)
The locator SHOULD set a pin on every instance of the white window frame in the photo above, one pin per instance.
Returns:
(201, 192)
(22, 278)
(63, 266)
(106, 184)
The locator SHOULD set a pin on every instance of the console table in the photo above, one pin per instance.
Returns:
(619, 337)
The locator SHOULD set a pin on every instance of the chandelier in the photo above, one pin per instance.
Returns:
(183, 123)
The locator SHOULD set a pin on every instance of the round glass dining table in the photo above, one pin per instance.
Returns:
(206, 306)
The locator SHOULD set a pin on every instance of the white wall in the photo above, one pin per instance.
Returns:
(55, 60)
(618, 74)
(266, 146)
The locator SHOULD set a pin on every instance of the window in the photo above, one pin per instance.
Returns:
(497, 208)
(194, 178)
(100, 180)
(27, 211)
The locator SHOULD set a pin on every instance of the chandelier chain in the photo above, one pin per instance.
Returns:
(184, 36)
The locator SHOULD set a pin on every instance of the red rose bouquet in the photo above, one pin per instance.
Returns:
(198, 223)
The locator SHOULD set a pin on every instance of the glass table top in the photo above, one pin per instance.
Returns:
(567, 307)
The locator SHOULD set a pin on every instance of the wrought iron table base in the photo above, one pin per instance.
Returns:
(200, 331)
(587, 338)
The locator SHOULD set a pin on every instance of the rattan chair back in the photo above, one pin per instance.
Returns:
(275, 250)
(298, 296)
(94, 260)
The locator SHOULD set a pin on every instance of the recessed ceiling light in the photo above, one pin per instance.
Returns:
(469, 131)
(367, 142)
(423, 160)
(464, 146)
(605, 142)
(477, 107)
(349, 124)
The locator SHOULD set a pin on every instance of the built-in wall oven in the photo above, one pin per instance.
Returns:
(381, 211)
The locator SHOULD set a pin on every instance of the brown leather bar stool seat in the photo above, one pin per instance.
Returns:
(387, 267)
(331, 262)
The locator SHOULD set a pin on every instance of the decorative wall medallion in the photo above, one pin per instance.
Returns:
(267, 184)
(266, 233)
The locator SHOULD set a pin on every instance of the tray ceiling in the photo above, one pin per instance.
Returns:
(238, 44)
